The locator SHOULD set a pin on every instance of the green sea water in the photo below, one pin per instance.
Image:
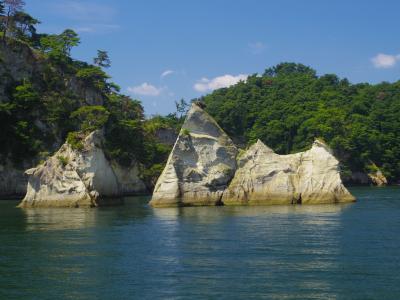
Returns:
(133, 251)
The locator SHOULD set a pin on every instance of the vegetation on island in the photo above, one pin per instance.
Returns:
(65, 99)
(289, 106)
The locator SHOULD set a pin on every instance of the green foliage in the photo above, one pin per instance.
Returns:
(91, 118)
(63, 160)
(151, 174)
(152, 125)
(51, 105)
(185, 132)
(58, 47)
(124, 129)
(75, 140)
(25, 26)
(93, 76)
(182, 107)
(289, 106)
(25, 96)
(102, 59)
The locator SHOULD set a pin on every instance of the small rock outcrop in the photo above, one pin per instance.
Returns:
(378, 178)
(264, 177)
(202, 170)
(200, 166)
(80, 178)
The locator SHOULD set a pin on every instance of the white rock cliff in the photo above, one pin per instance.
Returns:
(264, 177)
(202, 170)
(84, 178)
(200, 166)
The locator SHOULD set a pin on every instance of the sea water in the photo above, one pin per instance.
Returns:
(345, 251)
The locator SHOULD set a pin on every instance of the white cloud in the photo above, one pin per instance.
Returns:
(166, 73)
(385, 61)
(145, 89)
(257, 47)
(205, 84)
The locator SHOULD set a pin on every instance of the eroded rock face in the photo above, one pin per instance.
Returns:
(264, 177)
(20, 63)
(72, 178)
(200, 166)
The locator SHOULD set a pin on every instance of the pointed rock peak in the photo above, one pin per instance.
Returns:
(199, 121)
(319, 143)
(260, 146)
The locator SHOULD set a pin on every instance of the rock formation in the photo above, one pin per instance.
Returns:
(377, 178)
(200, 166)
(80, 178)
(20, 63)
(264, 177)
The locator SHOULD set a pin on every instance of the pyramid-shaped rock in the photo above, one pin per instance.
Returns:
(200, 166)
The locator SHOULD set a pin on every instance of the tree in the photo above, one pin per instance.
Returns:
(25, 25)
(11, 7)
(102, 59)
(58, 47)
(94, 76)
(26, 97)
(91, 117)
(287, 68)
(2, 8)
(69, 39)
(181, 107)
(2, 15)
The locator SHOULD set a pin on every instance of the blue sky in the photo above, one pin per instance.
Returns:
(163, 51)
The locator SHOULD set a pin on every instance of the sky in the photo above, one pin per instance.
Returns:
(163, 51)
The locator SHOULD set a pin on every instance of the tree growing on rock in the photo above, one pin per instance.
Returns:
(10, 9)
(91, 117)
(58, 47)
(102, 59)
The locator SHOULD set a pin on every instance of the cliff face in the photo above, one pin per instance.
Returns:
(84, 178)
(264, 177)
(202, 170)
(200, 165)
(19, 63)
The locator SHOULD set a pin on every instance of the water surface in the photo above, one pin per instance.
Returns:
(136, 252)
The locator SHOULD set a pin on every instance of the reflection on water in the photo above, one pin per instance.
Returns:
(211, 212)
(270, 246)
(257, 252)
(59, 218)
(79, 218)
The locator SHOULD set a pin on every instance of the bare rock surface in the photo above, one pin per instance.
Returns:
(264, 177)
(80, 178)
(200, 166)
(204, 168)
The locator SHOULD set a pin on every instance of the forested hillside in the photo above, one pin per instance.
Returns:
(289, 106)
(46, 97)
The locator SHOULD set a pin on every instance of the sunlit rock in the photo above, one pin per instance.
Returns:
(80, 178)
(200, 166)
(264, 177)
